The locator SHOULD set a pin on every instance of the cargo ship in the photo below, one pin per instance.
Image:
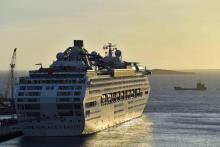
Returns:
(199, 86)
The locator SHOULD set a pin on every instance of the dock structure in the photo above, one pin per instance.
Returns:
(9, 129)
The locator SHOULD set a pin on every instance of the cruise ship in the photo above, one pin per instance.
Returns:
(81, 93)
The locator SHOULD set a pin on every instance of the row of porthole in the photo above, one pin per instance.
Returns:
(75, 81)
(105, 101)
(112, 83)
(136, 106)
(53, 127)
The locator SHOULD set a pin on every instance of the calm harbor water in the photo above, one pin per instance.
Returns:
(171, 119)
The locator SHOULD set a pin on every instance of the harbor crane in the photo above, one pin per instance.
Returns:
(10, 85)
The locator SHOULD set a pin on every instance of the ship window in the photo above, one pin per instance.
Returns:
(63, 99)
(64, 106)
(132, 93)
(34, 87)
(146, 92)
(66, 88)
(21, 94)
(78, 113)
(22, 80)
(78, 87)
(81, 81)
(114, 95)
(118, 95)
(33, 100)
(77, 93)
(67, 113)
(22, 87)
(20, 107)
(87, 113)
(122, 95)
(33, 114)
(19, 100)
(138, 92)
(32, 94)
(76, 99)
(64, 93)
(73, 81)
(135, 93)
(36, 81)
(77, 106)
(104, 99)
(49, 88)
(48, 81)
(126, 94)
(32, 106)
(91, 104)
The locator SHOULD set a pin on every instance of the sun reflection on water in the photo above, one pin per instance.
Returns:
(137, 132)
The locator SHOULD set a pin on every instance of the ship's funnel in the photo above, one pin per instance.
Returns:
(78, 43)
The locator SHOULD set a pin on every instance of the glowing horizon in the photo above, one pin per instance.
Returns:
(172, 34)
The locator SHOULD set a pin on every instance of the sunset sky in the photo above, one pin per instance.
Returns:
(169, 34)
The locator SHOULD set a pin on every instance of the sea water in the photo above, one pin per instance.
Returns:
(171, 119)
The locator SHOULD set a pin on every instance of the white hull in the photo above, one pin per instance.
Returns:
(100, 117)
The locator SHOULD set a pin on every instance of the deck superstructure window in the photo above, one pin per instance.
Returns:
(66, 87)
(76, 99)
(22, 87)
(20, 100)
(77, 93)
(66, 113)
(66, 93)
(20, 106)
(120, 95)
(50, 88)
(51, 81)
(32, 106)
(32, 94)
(78, 87)
(91, 104)
(65, 106)
(34, 87)
(63, 99)
(21, 94)
(33, 99)
(80, 81)
(33, 114)
(77, 106)
(77, 113)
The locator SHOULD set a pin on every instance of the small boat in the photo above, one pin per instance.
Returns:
(199, 86)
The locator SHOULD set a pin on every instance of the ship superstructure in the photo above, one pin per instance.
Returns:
(81, 93)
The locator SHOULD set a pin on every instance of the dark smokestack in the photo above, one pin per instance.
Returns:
(78, 43)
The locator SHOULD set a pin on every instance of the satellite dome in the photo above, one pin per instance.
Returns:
(118, 53)
(60, 56)
(94, 53)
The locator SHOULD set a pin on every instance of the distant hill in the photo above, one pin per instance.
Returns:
(170, 72)
(205, 71)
